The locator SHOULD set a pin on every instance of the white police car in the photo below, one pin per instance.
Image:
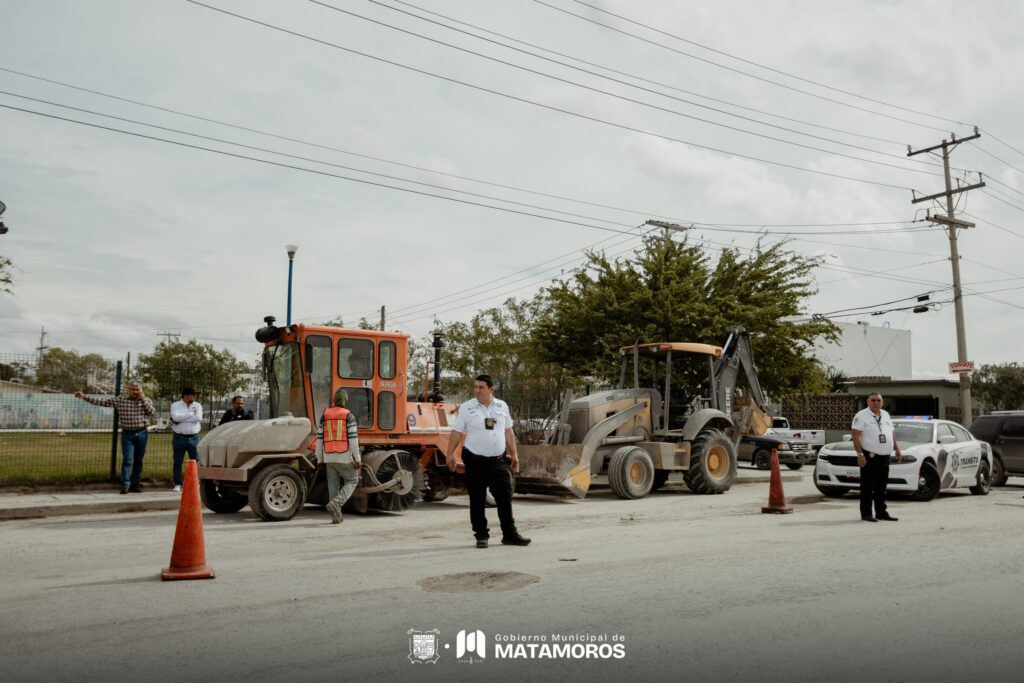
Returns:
(937, 455)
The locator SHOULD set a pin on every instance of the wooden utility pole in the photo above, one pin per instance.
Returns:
(382, 318)
(952, 225)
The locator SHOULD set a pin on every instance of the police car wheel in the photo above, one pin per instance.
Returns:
(983, 480)
(928, 483)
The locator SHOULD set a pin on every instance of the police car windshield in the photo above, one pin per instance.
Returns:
(913, 432)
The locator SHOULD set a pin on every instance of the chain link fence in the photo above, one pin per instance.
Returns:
(47, 436)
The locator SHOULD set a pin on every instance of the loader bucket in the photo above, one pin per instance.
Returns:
(564, 470)
(553, 470)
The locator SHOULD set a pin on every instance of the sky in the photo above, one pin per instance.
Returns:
(438, 157)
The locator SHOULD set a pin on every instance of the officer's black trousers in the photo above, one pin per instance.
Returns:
(484, 473)
(874, 477)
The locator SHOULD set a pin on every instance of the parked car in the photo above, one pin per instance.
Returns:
(757, 450)
(1004, 429)
(937, 455)
(815, 437)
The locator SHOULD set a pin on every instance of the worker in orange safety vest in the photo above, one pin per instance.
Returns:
(337, 446)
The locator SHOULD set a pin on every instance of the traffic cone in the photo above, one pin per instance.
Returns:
(776, 498)
(188, 556)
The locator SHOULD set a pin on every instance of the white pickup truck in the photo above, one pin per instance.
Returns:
(815, 437)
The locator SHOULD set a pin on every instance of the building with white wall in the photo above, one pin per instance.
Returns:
(865, 350)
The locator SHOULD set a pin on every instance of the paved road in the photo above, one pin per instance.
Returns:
(696, 587)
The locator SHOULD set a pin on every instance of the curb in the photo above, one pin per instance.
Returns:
(42, 511)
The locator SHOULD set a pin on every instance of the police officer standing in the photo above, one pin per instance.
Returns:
(485, 422)
(874, 441)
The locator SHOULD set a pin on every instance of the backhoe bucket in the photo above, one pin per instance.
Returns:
(553, 470)
(564, 470)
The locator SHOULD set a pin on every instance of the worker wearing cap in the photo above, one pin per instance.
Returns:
(875, 441)
(489, 450)
(337, 446)
(186, 421)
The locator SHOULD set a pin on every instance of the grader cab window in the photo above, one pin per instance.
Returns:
(284, 375)
(318, 367)
(388, 367)
(355, 358)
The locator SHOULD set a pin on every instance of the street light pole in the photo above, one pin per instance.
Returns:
(292, 248)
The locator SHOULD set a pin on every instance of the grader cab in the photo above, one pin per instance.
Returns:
(269, 464)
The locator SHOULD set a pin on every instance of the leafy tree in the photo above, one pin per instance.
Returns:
(672, 291)
(68, 370)
(173, 365)
(499, 341)
(838, 381)
(16, 370)
(1000, 386)
(6, 274)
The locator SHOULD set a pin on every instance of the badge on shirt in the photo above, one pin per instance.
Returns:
(881, 438)
(488, 423)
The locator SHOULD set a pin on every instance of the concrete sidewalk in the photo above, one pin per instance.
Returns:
(107, 499)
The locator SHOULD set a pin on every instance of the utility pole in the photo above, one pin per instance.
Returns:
(952, 225)
(382, 318)
(666, 227)
(168, 335)
(42, 347)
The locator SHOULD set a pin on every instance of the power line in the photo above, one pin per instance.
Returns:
(637, 212)
(621, 82)
(540, 104)
(999, 159)
(1009, 204)
(390, 177)
(768, 68)
(739, 71)
(994, 225)
(1004, 144)
(646, 80)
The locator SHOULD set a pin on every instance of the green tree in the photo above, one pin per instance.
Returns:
(672, 291)
(6, 274)
(1000, 386)
(173, 365)
(499, 341)
(16, 370)
(68, 370)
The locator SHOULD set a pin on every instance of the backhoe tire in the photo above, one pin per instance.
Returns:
(220, 499)
(712, 463)
(762, 459)
(277, 493)
(660, 479)
(631, 472)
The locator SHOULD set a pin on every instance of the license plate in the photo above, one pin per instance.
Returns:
(853, 474)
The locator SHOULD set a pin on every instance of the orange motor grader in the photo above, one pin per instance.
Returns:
(269, 464)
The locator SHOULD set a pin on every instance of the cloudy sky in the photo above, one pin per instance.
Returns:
(437, 157)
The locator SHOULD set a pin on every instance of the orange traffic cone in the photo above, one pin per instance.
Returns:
(776, 498)
(188, 556)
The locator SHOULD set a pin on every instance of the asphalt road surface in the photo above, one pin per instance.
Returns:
(672, 587)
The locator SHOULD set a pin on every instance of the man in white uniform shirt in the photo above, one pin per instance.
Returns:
(485, 422)
(874, 441)
(186, 421)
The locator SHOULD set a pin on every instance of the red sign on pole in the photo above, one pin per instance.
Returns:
(961, 366)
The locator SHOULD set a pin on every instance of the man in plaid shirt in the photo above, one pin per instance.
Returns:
(133, 412)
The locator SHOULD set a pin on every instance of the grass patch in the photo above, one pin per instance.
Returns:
(49, 458)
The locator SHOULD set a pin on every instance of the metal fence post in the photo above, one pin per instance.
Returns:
(113, 431)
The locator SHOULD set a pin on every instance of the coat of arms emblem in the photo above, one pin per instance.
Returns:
(423, 646)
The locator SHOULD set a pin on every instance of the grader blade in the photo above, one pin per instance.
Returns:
(565, 470)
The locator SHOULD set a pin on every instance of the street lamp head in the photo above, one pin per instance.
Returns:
(292, 248)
